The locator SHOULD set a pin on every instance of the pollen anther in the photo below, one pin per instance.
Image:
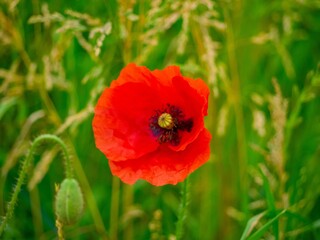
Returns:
(165, 120)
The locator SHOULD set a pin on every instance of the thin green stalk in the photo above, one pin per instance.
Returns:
(36, 212)
(114, 213)
(25, 166)
(182, 209)
(127, 203)
(2, 181)
(235, 97)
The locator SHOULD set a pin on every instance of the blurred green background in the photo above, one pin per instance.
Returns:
(259, 58)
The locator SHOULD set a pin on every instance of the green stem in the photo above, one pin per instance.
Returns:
(36, 213)
(182, 209)
(127, 203)
(26, 164)
(235, 96)
(114, 213)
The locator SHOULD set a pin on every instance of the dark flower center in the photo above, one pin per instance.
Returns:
(166, 124)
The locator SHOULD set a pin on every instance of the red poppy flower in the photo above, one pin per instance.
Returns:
(149, 124)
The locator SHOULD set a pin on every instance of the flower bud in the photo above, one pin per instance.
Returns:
(69, 202)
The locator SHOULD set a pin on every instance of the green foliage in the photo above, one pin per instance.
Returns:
(259, 58)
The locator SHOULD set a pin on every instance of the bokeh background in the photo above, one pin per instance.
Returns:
(260, 60)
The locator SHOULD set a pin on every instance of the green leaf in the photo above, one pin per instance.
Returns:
(251, 224)
(271, 203)
(6, 104)
(258, 234)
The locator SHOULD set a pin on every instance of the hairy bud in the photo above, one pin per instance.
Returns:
(69, 202)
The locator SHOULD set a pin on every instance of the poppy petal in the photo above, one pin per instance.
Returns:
(170, 72)
(134, 74)
(121, 120)
(202, 89)
(180, 94)
(165, 166)
(165, 76)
